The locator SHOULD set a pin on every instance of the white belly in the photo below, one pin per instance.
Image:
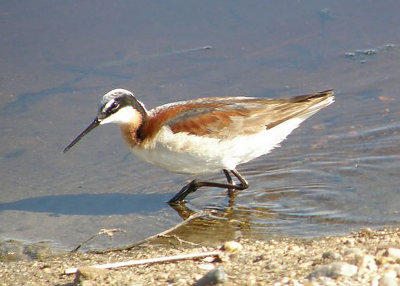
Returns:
(185, 153)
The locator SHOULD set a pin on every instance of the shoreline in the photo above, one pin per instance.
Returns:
(362, 258)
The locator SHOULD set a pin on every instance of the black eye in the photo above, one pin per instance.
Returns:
(114, 106)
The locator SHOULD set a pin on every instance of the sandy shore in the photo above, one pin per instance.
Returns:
(369, 257)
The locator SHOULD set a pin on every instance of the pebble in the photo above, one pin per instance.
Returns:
(392, 252)
(350, 241)
(251, 280)
(207, 266)
(209, 259)
(396, 268)
(353, 255)
(331, 255)
(213, 277)
(368, 263)
(350, 55)
(390, 46)
(91, 272)
(87, 283)
(136, 283)
(232, 246)
(181, 282)
(366, 231)
(353, 251)
(295, 248)
(88, 273)
(369, 52)
(334, 270)
(388, 279)
(13, 250)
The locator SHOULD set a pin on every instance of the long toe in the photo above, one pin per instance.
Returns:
(184, 192)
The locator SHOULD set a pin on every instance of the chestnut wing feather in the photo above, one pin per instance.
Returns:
(220, 118)
(225, 118)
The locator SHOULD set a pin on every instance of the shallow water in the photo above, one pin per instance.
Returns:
(337, 172)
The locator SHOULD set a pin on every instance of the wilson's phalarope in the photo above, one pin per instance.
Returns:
(207, 134)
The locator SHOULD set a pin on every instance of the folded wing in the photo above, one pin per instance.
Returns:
(226, 118)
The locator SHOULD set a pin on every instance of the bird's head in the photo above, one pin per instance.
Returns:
(117, 106)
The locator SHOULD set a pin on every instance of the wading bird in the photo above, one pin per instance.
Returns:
(205, 135)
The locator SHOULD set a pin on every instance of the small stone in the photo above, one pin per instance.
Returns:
(370, 52)
(88, 273)
(232, 246)
(173, 278)
(285, 280)
(349, 55)
(388, 279)
(224, 256)
(11, 250)
(368, 263)
(136, 283)
(294, 248)
(325, 11)
(209, 259)
(296, 283)
(162, 276)
(380, 252)
(207, 266)
(361, 240)
(331, 255)
(396, 268)
(350, 241)
(392, 252)
(366, 231)
(353, 251)
(354, 255)
(39, 250)
(258, 258)
(213, 277)
(390, 46)
(334, 270)
(87, 283)
(196, 276)
(181, 281)
(251, 280)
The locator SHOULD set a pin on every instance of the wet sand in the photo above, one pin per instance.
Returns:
(363, 258)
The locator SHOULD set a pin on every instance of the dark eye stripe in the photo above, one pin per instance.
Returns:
(115, 105)
(112, 108)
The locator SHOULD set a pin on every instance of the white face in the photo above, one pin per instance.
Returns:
(125, 115)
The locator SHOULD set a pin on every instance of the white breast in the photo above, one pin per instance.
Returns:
(185, 153)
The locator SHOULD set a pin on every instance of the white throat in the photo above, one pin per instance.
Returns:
(125, 115)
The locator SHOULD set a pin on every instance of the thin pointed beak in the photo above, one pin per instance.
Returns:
(92, 126)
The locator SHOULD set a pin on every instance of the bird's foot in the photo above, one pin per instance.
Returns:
(184, 192)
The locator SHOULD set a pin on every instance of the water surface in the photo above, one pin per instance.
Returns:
(337, 172)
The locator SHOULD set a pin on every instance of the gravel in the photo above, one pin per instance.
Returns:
(369, 257)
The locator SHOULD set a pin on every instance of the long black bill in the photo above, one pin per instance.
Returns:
(92, 126)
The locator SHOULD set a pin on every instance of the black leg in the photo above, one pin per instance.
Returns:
(228, 177)
(242, 180)
(230, 181)
(195, 184)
